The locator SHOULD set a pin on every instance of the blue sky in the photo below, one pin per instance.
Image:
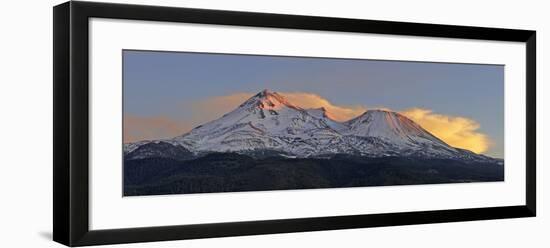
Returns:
(167, 84)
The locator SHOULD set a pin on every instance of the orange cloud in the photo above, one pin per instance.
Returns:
(214, 107)
(143, 128)
(456, 131)
(310, 100)
(211, 108)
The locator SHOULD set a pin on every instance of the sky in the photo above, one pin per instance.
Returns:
(168, 93)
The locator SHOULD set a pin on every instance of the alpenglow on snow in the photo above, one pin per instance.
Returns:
(267, 123)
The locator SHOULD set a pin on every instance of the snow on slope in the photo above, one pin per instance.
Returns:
(392, 126)
(403, 135)
(267, 121)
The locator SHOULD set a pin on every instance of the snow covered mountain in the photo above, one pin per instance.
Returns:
(269, 124)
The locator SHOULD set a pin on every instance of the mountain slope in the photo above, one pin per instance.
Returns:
(267, 123)
(397, 135)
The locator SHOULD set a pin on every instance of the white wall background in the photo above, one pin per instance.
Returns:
(26, 123)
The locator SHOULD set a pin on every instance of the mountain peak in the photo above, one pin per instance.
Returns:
(390, 125)
(270, 100)
(382, 113)
(265, 92)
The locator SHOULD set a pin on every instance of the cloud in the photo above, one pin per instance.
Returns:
(310, 100)
(138, 128)
(208, 109)
(456, 131)
(214, 107)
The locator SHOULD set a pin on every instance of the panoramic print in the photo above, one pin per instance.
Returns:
(207, 122)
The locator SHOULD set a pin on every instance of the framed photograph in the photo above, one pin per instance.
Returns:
(177, 123)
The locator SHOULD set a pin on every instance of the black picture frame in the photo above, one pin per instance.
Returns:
(71, 123)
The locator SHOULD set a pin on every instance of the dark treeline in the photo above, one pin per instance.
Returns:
(229, 172)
